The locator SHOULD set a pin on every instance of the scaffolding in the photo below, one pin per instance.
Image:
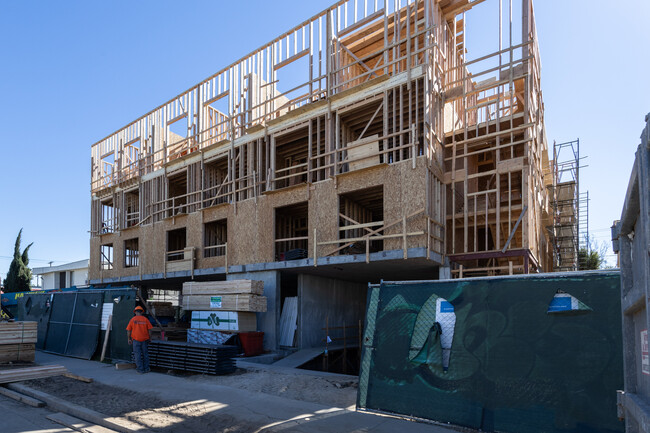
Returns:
(569, 228)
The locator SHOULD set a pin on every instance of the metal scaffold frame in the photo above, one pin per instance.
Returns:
(569, 228)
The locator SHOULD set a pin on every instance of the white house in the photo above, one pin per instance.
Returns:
(62, 276)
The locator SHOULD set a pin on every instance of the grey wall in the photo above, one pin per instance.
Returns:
(321, 299)
(266, 322)
(633, 240)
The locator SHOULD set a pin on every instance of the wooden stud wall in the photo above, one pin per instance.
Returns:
(386, 83)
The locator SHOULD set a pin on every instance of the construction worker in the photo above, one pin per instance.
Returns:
(139, 333)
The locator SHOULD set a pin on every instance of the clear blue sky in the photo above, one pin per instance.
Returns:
(72, 72)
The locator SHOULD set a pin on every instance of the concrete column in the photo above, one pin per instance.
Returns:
(266, 322)
(444, 273)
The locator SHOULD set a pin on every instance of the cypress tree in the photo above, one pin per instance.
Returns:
(19, 277)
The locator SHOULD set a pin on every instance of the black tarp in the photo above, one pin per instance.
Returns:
(84, 334)
(74, 324)
(123, 301)
(515, 364)
(36, 308)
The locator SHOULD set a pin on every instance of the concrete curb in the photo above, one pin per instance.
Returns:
(118, 424)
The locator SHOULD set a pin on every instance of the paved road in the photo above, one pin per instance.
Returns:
(19, 418)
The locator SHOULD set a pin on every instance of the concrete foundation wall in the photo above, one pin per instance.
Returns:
(326, 299)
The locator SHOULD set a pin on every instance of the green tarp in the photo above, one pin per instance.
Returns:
(511, 354)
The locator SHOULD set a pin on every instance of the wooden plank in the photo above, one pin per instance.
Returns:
(55, 403)
(20, 397)
(17, 332)
(79, 378)
(30, 373)
(106, 335)
(124, 366)
(231, 287)
(17, 352)
(77, 424)
(225, 302)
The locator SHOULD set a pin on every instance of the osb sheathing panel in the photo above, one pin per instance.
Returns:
(251, 223)
(255, 224)
(215, 213)
(93, 263)
(323, 216)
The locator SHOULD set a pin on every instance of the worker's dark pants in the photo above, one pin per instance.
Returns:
(141, 355)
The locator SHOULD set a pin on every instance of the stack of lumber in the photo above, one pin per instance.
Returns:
(31, 373)
(199, 358)
(235, 295)
(233, 287)
(162, 309)
(17, 341)
(224, 321)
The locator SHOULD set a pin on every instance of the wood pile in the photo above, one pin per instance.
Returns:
(252, 303)
(235, 295)
(220, 308)
(233, 287)
(31, 373)
(162, 309)
(17, 341)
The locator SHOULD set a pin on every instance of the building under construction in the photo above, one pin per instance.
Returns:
(366, 143)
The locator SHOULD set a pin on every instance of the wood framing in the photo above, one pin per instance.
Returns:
(388, 138)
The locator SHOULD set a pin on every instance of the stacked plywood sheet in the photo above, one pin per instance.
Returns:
(236, 295)
(17, 340)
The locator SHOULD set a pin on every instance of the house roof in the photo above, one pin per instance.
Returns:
(81, 264)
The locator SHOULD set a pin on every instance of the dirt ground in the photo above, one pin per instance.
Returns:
(326, 391)
(157, 415)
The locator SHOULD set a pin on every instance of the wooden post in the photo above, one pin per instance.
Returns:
(510, 267)
(108, 332)
(405, 253)
(428, 237)
(460, 274)
(368, 249)
(315, 249)
(345, 352)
